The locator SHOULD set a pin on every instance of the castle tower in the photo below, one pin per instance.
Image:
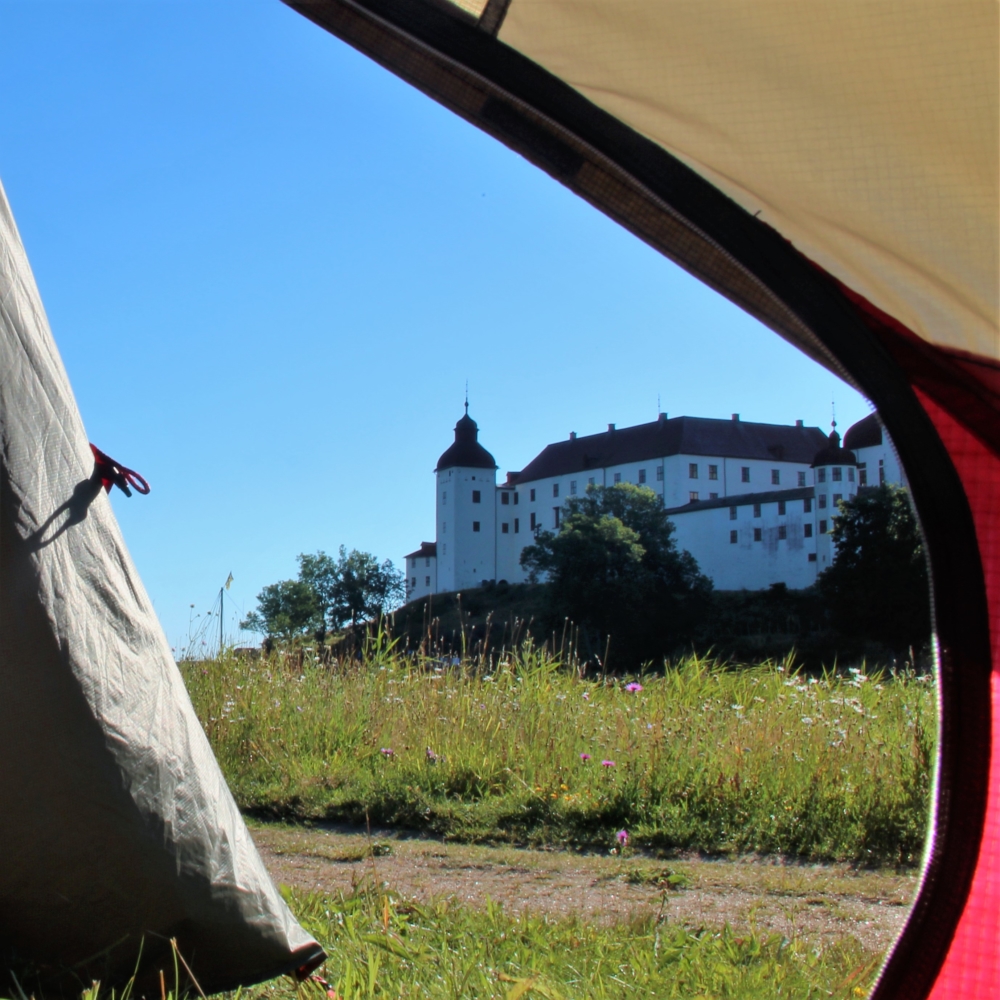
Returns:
(466, 511)
(834, 478)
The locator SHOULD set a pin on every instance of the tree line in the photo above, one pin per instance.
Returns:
(329, 594)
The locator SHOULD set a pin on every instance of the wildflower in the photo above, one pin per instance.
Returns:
(586, 696)
(633, 686)
(386, 752)
(585, 757)
(432, 757)
(607, 763)
(622, 837)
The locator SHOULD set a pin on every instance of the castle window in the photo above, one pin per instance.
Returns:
(504, 528)
(476, 495)
(413, 564)
(821, 475)
(444, 498)
(862, 474)
(693, 470)
(590, 481)
(782, 531)
(642, 475)
(555, 517)
(758, 534)
(475, 525)
(618, 477)
(733, 536)
(850, 473)
(517, 498)
(444, 549)
(807, 505)
(756, 510)
(692, 496)
(776, 477)
(532, 497)
(807, 530)
(444, 527)
(781, 506)
(812, 557)
(837, 497)
(413, 581)
(881, 471)
(572, 486)
(713, 496)
(517, 525)
(427, 581)
(732, 513)
(713, 472)
(822, 501)
(555, 489)
(534, 523)
(505, 498)
(659, 473)
(838, 474)
(822, 527)
(745, 474)
(802, 479)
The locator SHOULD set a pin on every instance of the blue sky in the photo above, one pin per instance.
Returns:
(271, 267)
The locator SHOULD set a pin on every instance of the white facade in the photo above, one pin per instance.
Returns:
(758, 515)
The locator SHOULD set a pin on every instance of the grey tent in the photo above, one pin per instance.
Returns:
(117, 830)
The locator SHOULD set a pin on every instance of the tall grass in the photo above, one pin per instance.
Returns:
(381, 946)
(518, 749)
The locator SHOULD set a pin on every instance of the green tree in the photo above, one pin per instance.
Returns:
(877, 586)
(352, 588)
(285, 609)
(614, 569)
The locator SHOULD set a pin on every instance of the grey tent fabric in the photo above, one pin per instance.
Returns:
(117, 830)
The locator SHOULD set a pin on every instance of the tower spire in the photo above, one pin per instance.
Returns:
(466, 397)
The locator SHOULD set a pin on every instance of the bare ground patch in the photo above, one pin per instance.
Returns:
(821, 902)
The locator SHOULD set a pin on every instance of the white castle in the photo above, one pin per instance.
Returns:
(753, 503)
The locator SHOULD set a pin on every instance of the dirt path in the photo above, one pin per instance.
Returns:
(823, 902)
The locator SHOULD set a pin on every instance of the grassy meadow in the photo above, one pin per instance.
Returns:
(521, 749)
(382, 946)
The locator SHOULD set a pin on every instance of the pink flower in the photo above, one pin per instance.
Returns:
(386, 752)
(586, 696)
(633, 687)
(607, 763)
(622, 837)
(585, 757)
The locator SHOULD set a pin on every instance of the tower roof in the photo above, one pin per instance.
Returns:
(833, 454)
(466, 452)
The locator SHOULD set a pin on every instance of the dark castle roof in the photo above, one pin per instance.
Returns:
(833, 454)
(427, 549)
(865, 433)
(680, 436)
(466, 452)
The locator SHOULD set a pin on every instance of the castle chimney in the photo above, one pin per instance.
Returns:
(662, 418)
(736, 418)
(572, 435)
(611, 427)
(799, 423)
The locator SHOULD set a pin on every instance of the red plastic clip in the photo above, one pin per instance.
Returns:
(113, 473)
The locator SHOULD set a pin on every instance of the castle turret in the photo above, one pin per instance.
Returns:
(466, 511)
(834, 478)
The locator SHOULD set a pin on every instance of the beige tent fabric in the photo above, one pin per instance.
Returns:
(117, 826)
(865, 131)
